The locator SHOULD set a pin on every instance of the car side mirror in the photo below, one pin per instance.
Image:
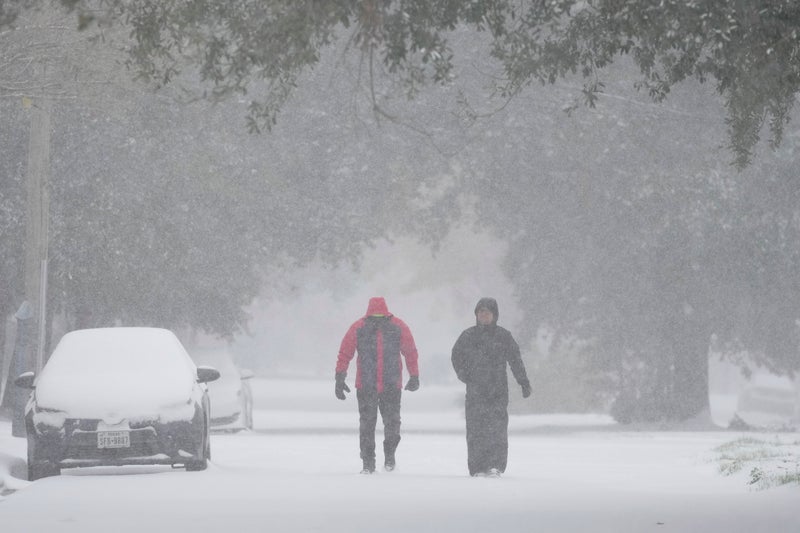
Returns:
(206, 374)
(244, 373)
(25, 380)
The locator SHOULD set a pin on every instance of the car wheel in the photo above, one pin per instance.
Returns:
(249, 416)
(42, 469)
(245, 421)
(246, 415)
(197, 465)
(39, 468)
(201, 463)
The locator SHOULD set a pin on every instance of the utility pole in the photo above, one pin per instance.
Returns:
(38, 217)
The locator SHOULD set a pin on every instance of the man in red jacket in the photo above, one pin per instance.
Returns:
(380, 338)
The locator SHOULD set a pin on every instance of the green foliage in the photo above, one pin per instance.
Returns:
(141, 241)
(168, 213)
(10, 10)
(748, 49)
(626, 230)
(12, 217)
(564, 381)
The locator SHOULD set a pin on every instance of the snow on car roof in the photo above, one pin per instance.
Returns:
(125, 371)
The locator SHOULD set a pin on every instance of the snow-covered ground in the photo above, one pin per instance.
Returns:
(297, 471)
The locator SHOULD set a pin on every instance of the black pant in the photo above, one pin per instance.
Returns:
(487, 433)
(369, 402)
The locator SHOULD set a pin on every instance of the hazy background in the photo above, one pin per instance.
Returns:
(621, 243)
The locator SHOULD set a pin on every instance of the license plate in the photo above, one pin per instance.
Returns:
(113, 439)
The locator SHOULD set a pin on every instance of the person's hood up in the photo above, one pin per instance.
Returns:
(377, 307)
(491, 305)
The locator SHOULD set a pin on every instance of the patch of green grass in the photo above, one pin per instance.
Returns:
(771, 463)
(739, 443)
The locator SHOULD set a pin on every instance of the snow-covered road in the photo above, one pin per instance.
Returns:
(298, 472)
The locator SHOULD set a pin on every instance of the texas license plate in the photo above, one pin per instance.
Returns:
(113, 439)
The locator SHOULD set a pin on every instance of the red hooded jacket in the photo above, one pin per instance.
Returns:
(380, 338)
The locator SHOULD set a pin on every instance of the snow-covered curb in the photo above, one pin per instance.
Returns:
(13, 468)
(8, 482)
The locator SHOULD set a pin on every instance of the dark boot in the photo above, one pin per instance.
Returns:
(389, 447)
(369, 466)
(389, 462)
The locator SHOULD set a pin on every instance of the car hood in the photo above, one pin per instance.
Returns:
(109, 397)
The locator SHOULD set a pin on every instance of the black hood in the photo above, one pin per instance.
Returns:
(491, 305)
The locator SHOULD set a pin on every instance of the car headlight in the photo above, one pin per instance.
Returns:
(177, 412)
(47, 420)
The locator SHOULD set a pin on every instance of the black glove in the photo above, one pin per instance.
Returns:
(341, 386)
(413, 383)
(526, 389)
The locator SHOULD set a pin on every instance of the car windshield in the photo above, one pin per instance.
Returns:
(222, 361)
(229, 376)
(122, 370)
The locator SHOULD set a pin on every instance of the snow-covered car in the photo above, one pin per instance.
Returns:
(117, 396)
(231, 395)
(769, 401)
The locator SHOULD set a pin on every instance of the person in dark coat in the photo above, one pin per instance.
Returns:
(380, 338)
(480, 357)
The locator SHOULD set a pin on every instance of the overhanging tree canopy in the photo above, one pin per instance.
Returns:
(750, 50)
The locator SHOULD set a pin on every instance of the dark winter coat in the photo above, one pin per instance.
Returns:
(482, 353)
(480, 356)
(380, 339)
